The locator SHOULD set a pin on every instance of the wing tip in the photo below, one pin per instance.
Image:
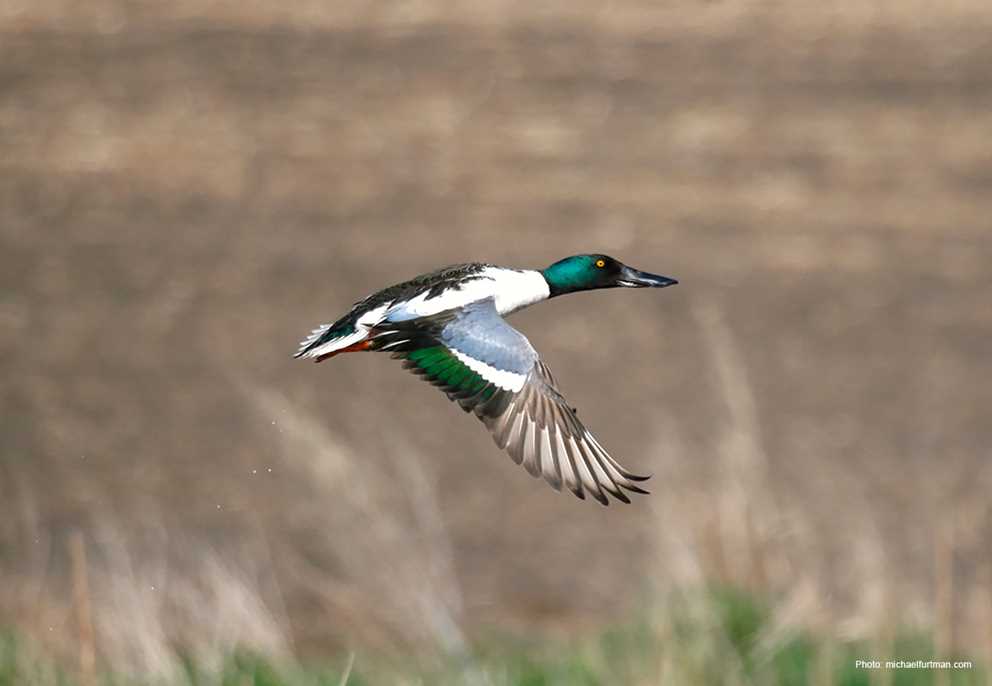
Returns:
(636, 489)
(635, 477)
(600, 496)
(603, 492)
(621, 496)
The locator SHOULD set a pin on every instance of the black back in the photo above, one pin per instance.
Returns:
(433, 283)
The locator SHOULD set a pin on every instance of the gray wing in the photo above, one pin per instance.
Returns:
(492, 370)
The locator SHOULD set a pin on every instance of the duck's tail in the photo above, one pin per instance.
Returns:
(326, 341)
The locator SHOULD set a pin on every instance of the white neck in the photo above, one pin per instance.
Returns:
(516, 289)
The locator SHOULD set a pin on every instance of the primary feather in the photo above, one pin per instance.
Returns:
(491, 370)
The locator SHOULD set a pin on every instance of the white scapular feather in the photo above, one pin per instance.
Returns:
(510, 289)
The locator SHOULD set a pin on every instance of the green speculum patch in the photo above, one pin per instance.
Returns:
(440, 365)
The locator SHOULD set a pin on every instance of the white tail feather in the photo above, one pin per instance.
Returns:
(314, 335)
(337, 344)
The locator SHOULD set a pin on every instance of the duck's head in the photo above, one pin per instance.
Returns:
(585, 272)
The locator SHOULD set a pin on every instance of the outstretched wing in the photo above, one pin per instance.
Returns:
(490, 369)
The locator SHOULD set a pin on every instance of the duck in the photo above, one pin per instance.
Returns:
(449, 327)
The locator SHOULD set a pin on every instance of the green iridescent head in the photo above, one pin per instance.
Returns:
(586, 272)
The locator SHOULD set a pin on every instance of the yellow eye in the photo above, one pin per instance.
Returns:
(600, 263)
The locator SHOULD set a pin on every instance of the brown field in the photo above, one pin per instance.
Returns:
(185, 191)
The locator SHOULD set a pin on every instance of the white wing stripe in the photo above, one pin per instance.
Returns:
(508, 381)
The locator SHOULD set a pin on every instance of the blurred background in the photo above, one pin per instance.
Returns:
(187, 188)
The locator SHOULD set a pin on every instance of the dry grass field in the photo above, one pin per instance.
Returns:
(187, 188)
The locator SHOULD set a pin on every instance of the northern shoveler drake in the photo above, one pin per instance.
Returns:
(448, 327)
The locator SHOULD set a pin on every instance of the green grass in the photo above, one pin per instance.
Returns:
(721, 637)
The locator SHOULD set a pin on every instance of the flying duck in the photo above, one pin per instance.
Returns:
(447, 326)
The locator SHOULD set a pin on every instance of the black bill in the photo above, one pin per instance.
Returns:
(632, 278)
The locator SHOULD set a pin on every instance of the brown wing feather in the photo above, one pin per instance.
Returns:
(542, 432)
(534, 425)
